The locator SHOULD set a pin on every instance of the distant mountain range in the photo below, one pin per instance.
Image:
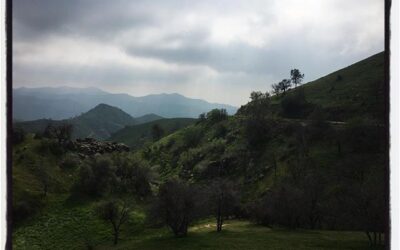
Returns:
(66, 102)
(99, 122)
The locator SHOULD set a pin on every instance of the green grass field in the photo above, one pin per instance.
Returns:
(244, 235)
(75, 227)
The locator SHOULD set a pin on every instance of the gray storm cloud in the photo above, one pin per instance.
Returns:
(215, 51)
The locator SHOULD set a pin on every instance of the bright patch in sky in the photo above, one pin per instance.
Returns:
(219, 51)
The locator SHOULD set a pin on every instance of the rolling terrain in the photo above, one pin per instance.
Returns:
(99, 122)
(304, 170)
(135, 136)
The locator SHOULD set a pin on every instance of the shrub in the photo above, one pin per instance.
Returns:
(134, 175)
(257, 132)
(38, 136)
(175, 206)
(70, 161)
(319, 127)
(192, 136)
(283, 206)
(260, 211)
(51, 146)
(216, 115)
(188, 160)
(18, 135)
(202, 118)
(26, 205)
(258, 107)
(62, 132)
(295, 105)
(96, 177)
(220, 131)
(364, 137)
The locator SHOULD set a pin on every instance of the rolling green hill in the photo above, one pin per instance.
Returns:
(269, 154)
(137, 135)
(356, 91)
(147, 118)
(98, 122)
(357, 97)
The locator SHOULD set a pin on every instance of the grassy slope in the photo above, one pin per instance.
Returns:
(25, 158)
(60, 224)
(359, 93)
(137, 135)
(360, 78)
(70, 226)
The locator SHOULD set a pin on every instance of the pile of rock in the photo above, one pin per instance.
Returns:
(90, 146)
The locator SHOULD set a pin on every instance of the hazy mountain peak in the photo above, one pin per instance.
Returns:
(103, 106)
(107, 111)
(66, 102)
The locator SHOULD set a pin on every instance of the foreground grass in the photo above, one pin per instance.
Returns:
(75, 227)
(244, 235)
(69, 226)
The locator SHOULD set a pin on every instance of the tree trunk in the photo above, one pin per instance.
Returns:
(374, 238)
(45, 188)
(219, 214)
(219, 223)
(116, 234)
(312, 223)
(369, 238)
(275, 165)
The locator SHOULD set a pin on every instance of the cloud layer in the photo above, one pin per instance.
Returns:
(214, 50)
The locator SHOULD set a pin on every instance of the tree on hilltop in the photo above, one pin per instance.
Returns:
(296, 77)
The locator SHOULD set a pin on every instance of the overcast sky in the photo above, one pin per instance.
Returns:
(214, 50)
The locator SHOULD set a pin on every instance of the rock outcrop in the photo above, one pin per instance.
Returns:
(90, 146)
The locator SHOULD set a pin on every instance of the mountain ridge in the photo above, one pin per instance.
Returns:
(48, 102)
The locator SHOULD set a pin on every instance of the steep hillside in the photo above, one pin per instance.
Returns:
(356, 91)
(99, 122)
(137, 135)
(319, 170)
(354, 94)
(65, 102)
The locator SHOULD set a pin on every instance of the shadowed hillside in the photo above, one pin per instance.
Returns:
(356, 91)
(137, 135)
